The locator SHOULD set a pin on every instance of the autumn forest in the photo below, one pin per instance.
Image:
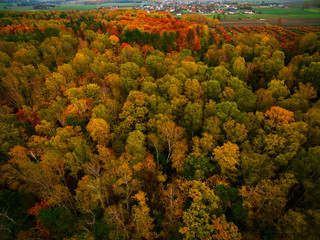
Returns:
(132, 125)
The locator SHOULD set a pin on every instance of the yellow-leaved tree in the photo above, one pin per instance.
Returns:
(227, 157)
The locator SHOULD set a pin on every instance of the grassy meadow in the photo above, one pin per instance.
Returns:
(80, 7)
(289, 13)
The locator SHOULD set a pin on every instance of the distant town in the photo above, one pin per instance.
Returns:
(223, 8)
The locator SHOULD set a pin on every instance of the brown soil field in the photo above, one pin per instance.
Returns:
(286, 22)
(273, 21)
(241, 23)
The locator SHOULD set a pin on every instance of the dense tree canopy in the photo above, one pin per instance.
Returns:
(132, 125)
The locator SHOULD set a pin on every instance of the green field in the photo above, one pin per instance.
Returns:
(14, 7)
(76, 7)
(120, 4)
(290, 13)
(286, 13)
